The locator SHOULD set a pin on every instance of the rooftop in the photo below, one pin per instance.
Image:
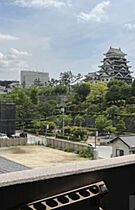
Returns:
(7, 166)
(128, 140)
(115, 51)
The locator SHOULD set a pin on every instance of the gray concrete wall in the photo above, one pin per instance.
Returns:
(67, 144)
(13, 142)
(19, 188)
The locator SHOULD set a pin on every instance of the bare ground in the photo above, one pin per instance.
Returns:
(38, 156)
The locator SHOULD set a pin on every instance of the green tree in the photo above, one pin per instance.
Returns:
(52, 126)
(117, 90)
(110, 129)
(34, 95)
(60, 90)
(67, 78)
(79, 132)
(46, 91)
(53, 82)
(25, 113)
(48, 108)
(97, 93)
(23, 84)
(113, 111)
(102, 123)
(67, 120)
(22, 97)
(82, 91)
(79, 120)
(133, 88)
(120, 126)
(36, 124)
(67, 130)
(37, 82)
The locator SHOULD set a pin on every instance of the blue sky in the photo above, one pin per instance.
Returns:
(61, 35)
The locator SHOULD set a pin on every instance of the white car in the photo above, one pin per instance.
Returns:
(3, 136)
(91, 144)
(15, 136)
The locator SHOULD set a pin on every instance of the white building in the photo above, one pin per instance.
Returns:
(28, 78)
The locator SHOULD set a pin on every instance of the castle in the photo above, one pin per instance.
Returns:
(114, 66)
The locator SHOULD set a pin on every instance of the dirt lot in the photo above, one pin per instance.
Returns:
(38, 156)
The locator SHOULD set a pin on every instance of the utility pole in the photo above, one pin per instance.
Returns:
(96, 135)
(63, 123)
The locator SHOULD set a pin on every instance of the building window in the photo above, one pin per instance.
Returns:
(119, 152)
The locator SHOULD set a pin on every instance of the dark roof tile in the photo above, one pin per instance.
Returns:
(7, 166)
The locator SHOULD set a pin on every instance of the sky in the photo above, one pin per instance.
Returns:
(63, 35)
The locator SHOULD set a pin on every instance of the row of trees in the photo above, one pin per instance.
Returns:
(98, 106)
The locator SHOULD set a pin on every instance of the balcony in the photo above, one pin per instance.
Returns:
(18, 189)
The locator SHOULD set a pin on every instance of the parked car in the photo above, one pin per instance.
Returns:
(91, 144)
(23, 134)
(3, 136)
(15, 136)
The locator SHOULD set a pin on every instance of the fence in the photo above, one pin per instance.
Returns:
(37, 140)
(60, 144)
(69, 145)
(13, 142)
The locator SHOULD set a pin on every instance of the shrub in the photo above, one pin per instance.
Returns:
(68, 150)
(86, 153)
(67, 130)
(78, 132)
(51, 146)
(74, 138)
(50, 134)
(58, 135)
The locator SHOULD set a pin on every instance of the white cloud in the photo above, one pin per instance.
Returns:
(13, 60)
(129, 27)
(8, 37)
(16, 52)
(1, 55)
(39, 3)
(97, 14)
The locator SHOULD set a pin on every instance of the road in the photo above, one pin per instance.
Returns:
(104, 151)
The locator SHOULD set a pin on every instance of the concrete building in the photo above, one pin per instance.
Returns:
(123, 145)
(29, 78)
(7, 118)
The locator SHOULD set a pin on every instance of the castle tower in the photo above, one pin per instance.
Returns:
(115, 66)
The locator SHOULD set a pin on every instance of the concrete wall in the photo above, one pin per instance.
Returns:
(19, 188)
(13, 142)
(69, 145)
(117, 144)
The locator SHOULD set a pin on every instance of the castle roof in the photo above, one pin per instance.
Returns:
(116, 52)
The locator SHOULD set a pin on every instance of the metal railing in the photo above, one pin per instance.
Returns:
(87, 196)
